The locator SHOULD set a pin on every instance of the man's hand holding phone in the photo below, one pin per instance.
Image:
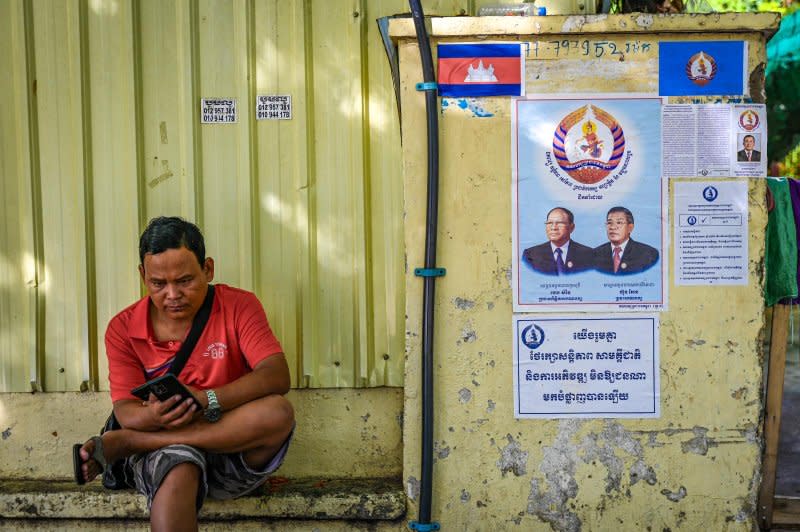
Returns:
(172, 413)
(171, 404)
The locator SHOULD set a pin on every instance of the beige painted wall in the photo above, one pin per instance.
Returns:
(340, 433)
(697, 467)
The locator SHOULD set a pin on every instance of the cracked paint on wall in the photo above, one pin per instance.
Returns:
(475, 106)
(612, 447)
(512, 458)
(548, 499)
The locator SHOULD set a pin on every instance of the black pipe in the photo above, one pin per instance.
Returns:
(431, 222)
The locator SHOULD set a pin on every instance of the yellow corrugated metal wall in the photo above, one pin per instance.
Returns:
(100, 131)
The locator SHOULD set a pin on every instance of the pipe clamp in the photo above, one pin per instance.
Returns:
(430, 272)
(422, 527)
(427, 86)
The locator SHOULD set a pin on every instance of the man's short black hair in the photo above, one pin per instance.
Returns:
(628, 214)
(171, 232)
(748, 135)
(566, 211)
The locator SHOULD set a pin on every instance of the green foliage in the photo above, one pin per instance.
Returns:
(752, 6)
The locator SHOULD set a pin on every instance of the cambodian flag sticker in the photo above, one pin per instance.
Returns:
(481, 69)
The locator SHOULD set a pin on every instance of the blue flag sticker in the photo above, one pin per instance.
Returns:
(702, 68)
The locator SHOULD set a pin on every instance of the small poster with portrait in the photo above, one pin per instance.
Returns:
(749, 121)
(588, 204)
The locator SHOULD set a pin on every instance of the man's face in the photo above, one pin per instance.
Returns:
(618, 228)
(176, 283)
(557, 227)
(749, 143)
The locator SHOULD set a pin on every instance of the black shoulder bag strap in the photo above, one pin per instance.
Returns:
(198, 324)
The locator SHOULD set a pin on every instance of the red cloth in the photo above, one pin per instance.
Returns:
(236, 338)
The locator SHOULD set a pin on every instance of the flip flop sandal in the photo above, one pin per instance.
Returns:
(97, 456)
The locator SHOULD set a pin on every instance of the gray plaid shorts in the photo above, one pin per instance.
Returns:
(225, 476)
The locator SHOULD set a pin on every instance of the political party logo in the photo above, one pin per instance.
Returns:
(710, 193)
(532, 336)
(588, 144)
(701, 68)
(748, 120)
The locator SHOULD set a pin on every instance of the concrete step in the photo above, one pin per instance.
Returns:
(336, 499)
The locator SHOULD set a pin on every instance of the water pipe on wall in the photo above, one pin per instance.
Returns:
(430, 271)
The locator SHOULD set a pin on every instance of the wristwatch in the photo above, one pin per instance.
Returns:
(213, 412)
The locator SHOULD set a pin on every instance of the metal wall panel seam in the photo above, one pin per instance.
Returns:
(255, 211)
(295, 186)
(38, 303)
(366, 356)
(89, 358)
(309, 342)
(197, 138)
(17, 323)
(138, 94)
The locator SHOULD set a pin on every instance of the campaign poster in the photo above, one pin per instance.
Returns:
(586, 367)
(588, 204)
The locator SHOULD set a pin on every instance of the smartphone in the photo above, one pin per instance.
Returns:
(164, 387)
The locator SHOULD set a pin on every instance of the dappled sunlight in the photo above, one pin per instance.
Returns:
(379, 109)
(29, 269)
(268, 62)
(295, 219)
(104, 7)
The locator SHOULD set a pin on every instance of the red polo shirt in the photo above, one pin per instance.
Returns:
(236, 338)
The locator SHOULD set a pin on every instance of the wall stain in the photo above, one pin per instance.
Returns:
(464, 395)
(602, 447)
(468, 335)
(641, 471)
(550, 503)
(644, 21)
(700, 443)
(463, 304)
(513, 458)
(550, 498)
(7, 433)
(163, 176)
(412, 488)
(441, 452)
(674, 496)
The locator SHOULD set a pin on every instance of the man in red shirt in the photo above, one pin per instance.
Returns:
(237, 372)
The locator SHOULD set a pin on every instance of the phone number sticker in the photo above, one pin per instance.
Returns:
(218, 111)
(273, 107)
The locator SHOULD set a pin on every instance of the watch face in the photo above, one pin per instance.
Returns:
(213, 414)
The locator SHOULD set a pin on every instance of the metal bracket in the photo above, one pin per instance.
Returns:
(414, 525)
(427, 86)
(430, 272)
